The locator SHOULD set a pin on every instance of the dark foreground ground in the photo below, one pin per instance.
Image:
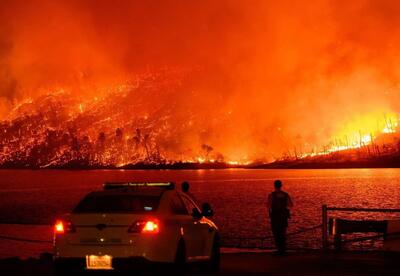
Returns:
(252, 263)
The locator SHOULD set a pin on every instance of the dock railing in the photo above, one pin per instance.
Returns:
(325, 218)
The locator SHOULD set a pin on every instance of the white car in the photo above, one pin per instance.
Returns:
(126, 224)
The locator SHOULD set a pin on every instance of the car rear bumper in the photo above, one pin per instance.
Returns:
(79, 264)
(116, 254)
(152, 252)
(153, 248)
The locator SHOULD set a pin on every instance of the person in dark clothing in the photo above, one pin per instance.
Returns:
(279, 203)
(185, 188)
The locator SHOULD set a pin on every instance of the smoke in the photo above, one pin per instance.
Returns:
(263, 77)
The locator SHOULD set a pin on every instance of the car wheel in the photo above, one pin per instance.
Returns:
(180, 259)
(213, 265)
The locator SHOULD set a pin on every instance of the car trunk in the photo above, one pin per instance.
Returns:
(103, 229)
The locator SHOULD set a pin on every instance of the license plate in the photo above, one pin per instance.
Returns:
(99, 262)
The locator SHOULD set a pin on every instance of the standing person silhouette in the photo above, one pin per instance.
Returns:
(185, 188)
(278, 205)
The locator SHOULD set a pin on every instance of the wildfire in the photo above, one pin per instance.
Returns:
(362, 131)
(81, 108)
(201, 160)
(107, 84)
(59, 130)
(117, 128)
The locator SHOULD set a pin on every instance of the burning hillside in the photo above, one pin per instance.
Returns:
(376, 144)
(118, 126)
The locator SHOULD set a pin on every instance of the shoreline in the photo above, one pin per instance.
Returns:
(299, 164)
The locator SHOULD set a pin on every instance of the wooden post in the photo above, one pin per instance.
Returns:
(338, 242)
(324, 227)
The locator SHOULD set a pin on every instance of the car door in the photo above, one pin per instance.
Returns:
(184, 220)
(201, 229)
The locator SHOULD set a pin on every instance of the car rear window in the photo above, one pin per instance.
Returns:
(117, 204)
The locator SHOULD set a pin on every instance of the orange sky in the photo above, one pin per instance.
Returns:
(268, 75)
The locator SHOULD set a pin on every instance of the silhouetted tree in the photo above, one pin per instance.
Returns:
(118, 134)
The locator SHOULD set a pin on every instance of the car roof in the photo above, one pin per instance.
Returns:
(143, 191)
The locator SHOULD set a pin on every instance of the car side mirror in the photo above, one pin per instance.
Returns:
(196, 213)
(206, 210)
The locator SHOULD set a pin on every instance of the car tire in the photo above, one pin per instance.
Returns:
(213, 265)
(180, 259)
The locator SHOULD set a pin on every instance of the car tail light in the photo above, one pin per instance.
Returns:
(62, 226)
(145, 226)
(59, 227)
